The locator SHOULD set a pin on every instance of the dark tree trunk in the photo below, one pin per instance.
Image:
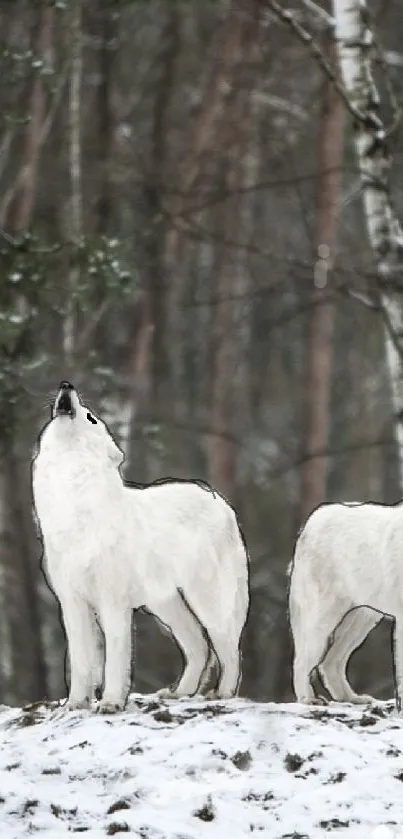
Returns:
(228, 387)
(148, 358)
(28, 679)
(194, 178)
(108, 28)
(22, 577)
(19, 202)
(319, 348)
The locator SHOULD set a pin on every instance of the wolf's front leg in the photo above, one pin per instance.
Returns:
(116, 626)
(81, 632)
(99, 664)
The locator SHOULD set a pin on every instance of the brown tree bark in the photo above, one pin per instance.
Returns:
(16, 212)
(319, 347)
(227, 57)
(194, 176)
(75, 215)
(147, 360)
(28, 678)
(153, 289)
(228, 317)
(108, 28)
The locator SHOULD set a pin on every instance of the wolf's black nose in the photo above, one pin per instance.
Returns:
(66, 386)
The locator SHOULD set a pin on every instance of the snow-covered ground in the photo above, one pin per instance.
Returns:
(191, 769)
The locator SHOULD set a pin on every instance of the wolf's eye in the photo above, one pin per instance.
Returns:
(91, 419)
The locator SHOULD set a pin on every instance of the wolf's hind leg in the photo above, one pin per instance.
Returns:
(349, 635)
(190, 636)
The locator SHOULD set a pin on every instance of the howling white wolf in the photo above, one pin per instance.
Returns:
(346, 575)
(173, 548)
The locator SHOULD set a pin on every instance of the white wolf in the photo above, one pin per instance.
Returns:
(174, 548)
(345, 576)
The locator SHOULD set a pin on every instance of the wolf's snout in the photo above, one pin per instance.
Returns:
(64, 404)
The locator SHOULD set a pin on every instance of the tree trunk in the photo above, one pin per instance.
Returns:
(148, 370)
(153, 290)
(8, 589)
(319, 350)
(109, 32)
(27, 677)
(18, 204)
(229, 313)
(194, 178)
(356, 47)
(76, 212)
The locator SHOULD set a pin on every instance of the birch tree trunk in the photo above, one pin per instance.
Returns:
(355, 41)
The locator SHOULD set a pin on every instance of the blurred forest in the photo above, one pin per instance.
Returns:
(183, 237)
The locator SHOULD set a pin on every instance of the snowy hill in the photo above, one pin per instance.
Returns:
(191, 769)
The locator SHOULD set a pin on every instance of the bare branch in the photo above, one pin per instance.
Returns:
(321, 14)
(280, 104)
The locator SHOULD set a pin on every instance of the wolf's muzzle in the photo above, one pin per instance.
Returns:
(63, 404)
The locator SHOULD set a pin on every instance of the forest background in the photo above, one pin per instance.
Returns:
(183, 236)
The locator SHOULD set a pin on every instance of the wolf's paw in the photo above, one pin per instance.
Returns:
(106, 707)
(77, 704)
(362, 699)
(215, 693)
(320, 700)
(172, 692)
(313, 700)
(167, 693)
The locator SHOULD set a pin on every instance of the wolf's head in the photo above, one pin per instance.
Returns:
(75, 427)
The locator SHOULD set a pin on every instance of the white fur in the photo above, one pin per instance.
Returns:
(346, 574)
(110, 549)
